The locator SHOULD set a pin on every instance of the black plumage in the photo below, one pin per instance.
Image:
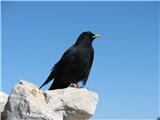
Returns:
(75, 64)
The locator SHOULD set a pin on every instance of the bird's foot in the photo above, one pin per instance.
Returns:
(75, 85)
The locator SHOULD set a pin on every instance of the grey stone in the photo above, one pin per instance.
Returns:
(3, 100)
(27, 102)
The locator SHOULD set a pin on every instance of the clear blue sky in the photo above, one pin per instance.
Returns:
(125, 69)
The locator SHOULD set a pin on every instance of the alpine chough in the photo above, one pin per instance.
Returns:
(75, 64)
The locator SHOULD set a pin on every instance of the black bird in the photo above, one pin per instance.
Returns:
(75, 64)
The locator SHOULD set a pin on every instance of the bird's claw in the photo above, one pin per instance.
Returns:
(75, 85)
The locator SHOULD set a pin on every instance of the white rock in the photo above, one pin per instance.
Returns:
(27, 102)
(3, 100)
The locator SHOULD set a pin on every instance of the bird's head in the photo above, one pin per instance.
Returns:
(87, 36)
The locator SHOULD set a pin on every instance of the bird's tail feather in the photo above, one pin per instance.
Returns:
(46, 82)
(58, 84)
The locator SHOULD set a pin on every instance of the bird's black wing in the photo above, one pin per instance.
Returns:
(89, 67)
(57, 67)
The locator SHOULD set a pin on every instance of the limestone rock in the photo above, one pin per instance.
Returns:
(27, 102)
(3, 100)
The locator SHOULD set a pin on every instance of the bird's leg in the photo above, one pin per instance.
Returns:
(75, 85)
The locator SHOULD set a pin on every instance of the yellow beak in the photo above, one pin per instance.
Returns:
(97, 36)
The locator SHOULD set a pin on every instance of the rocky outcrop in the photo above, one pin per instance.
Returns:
(27, 102)
(3, 100)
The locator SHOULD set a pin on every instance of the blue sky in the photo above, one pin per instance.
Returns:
(125, 68)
